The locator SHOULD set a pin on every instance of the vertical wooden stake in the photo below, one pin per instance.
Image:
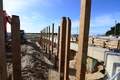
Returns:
(118, 45)
(3, 68)
(16, 55)
(62, 49)
(58, 40)
(67, 51)
(52, 38)
(49, 43)
(92, 42)
(55, 61)
(46, 39)
(83, 39)
(41, 38)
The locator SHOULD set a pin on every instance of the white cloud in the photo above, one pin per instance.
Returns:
(13, 6)
(104, 20)
(102, 23)
(29, 20)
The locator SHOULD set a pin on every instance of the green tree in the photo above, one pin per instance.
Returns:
(113, 30)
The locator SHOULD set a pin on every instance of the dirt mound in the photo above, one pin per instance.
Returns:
(33, 64)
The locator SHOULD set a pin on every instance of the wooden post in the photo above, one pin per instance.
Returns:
(92, 43)
(46, 38)
(67, 51)
(52, 38)
(16, 55)
(58, 40)
(103, 45)
(55, 61)
(3, 68)
(118, 45)
(49, 43)
(41, 38)
(62, 48)
(83, 39)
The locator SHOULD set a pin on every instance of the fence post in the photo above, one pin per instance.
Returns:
(41, 39)
(92, 43)
(49, 43)
(52, 38)
(58, 40)
(46, 38)
(103, 45)
(55, 61)
(83, 39)
(3, 68)
(62, 49)
(67, 51)
(118, 45)
(56, 56)
(16, 55)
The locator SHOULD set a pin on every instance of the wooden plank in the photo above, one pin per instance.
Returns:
(83, 39)
(52, 44)
(16, 55)
(67, 51)
(3, 68)
(49, 43)
(62, 48)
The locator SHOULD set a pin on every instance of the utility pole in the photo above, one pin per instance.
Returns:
(115, 29)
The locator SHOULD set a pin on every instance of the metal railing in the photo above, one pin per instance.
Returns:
(115, 75)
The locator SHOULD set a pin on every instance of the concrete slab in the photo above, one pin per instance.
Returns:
(74, 46)
(96, 53)
(112, 64)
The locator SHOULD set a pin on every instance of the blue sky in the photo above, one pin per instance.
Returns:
(38, 14)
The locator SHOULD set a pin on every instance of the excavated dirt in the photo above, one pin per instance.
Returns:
(35, 64)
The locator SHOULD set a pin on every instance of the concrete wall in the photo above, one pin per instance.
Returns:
(111, 59)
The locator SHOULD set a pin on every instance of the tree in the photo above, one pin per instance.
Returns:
(114, 31)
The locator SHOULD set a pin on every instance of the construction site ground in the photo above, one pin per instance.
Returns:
(35, 64)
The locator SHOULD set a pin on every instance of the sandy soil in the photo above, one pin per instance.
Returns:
(37, 66)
